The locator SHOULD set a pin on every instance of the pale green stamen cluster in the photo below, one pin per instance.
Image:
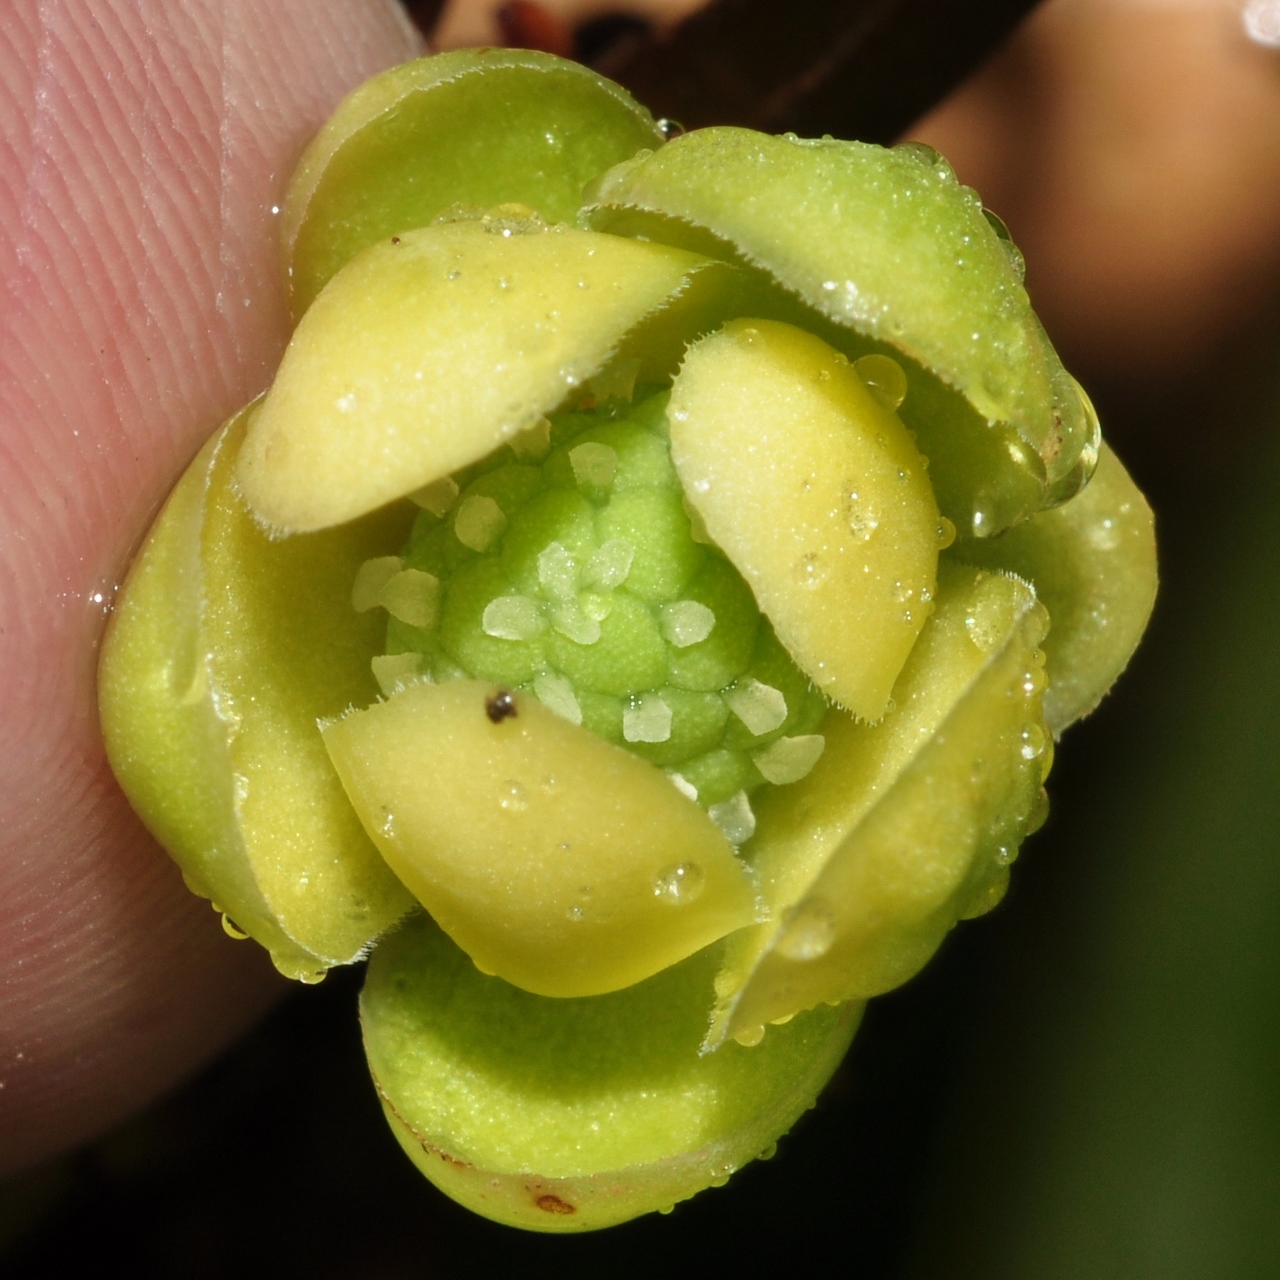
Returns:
(567, 565)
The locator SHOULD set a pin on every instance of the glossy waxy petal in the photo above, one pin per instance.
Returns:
(816, 493)
(224, 648)
(564, 864)
(428, 352)
(1093, 564)
(569, 1115)
(480, 126)
(887, 245)
(903, 827)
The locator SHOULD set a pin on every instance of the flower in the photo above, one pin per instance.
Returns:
(744, 489)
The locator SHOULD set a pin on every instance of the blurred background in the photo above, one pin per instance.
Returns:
(1083, 1085)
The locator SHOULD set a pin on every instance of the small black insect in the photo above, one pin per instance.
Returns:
(500, 706)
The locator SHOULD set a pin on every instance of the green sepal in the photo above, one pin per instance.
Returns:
(886, 245)
(477, 126)
(905, 826)
(1093, 565)
(570, 1115)
(224, 648)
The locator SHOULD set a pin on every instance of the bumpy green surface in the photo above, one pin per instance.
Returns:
(568, 1115)
(583, 598)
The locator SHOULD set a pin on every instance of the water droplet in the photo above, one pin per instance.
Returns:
(749, 1037)
(810, 570)
(311, 977)
(1034, 681)
(231, 929)
(884, 377)
(576, 913)
(769, 1152)
(454, 274)
(680, 884)
(670, 129)
(512, 797)
(946, 533)
(1039, 812)
(748, 337)
(666, 1209)
(761, 707)
(862, 517)
(723, 1179)
(809, 931)
(782, 1021)
(1005, 855)
(686, 622)
(387, 827)
(1104, 536)
(824, 375)
(990, 616)
(504, 282)
(901, 592)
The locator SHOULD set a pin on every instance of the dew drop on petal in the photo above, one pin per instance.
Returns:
(1032, 739)
(884, 377)
(810, 570)
(680, 884)
(512, 797)
(748, 1037)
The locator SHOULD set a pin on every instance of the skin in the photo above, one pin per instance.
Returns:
(141, 150)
